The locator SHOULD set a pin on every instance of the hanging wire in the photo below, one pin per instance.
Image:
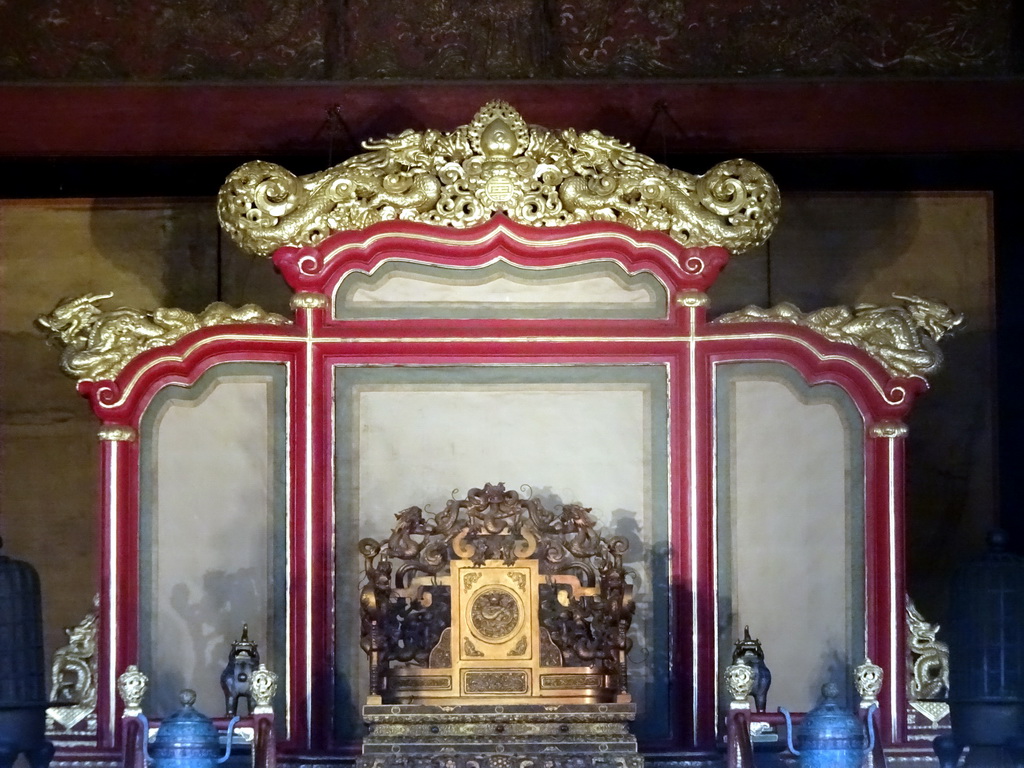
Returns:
(660, 110)
(336, 129)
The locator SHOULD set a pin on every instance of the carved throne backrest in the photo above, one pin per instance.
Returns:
(496, 596)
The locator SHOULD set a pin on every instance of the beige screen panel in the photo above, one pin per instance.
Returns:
(791, 509)
(211, 530)
(599, 289)
(590, 434)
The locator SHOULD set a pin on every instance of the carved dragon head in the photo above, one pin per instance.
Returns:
(71, 318)
(933, 317)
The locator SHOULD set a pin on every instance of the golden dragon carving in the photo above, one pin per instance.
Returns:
(73, 692)
(498, 163)
(929, 678)
(903, 337)
(98, 344)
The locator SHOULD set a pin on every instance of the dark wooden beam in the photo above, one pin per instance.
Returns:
(661, 117)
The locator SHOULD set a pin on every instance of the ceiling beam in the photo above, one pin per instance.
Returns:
(659, 116)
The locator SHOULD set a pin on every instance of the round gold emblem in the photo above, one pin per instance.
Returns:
(500, 189)
(495, 614)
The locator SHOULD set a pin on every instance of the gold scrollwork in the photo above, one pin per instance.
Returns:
(498, 163)
(423, 682)
(903, 338)
(496, 681)
(550, 656)
(441, 655)
(519, 579)
(519, 648)
(99, 344)
(568, 682)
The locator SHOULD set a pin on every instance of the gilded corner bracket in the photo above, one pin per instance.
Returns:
(499, 164)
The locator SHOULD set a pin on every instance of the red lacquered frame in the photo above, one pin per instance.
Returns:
(682, 339)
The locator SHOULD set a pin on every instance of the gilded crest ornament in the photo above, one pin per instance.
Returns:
(903, 337)
(131, 686)
(739, 681)
(499, 164)
(98, 344)
(867, 679)
(264, 688)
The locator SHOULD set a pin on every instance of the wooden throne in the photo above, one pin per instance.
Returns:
(496, 597)
(503, 617)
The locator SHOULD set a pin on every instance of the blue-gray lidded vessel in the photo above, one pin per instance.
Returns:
(830, 736)
(188, 738)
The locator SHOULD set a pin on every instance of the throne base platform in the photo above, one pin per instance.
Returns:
(499, 736)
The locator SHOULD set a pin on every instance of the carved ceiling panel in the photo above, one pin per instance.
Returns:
(163, 40)
(202, 40)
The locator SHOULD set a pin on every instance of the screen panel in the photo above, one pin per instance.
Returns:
(593, 434)
(790, 501)
(597, 289)
(212, 530)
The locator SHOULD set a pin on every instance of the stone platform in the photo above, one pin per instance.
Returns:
(499, 736)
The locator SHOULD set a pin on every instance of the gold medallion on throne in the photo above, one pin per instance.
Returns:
(495, 614)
